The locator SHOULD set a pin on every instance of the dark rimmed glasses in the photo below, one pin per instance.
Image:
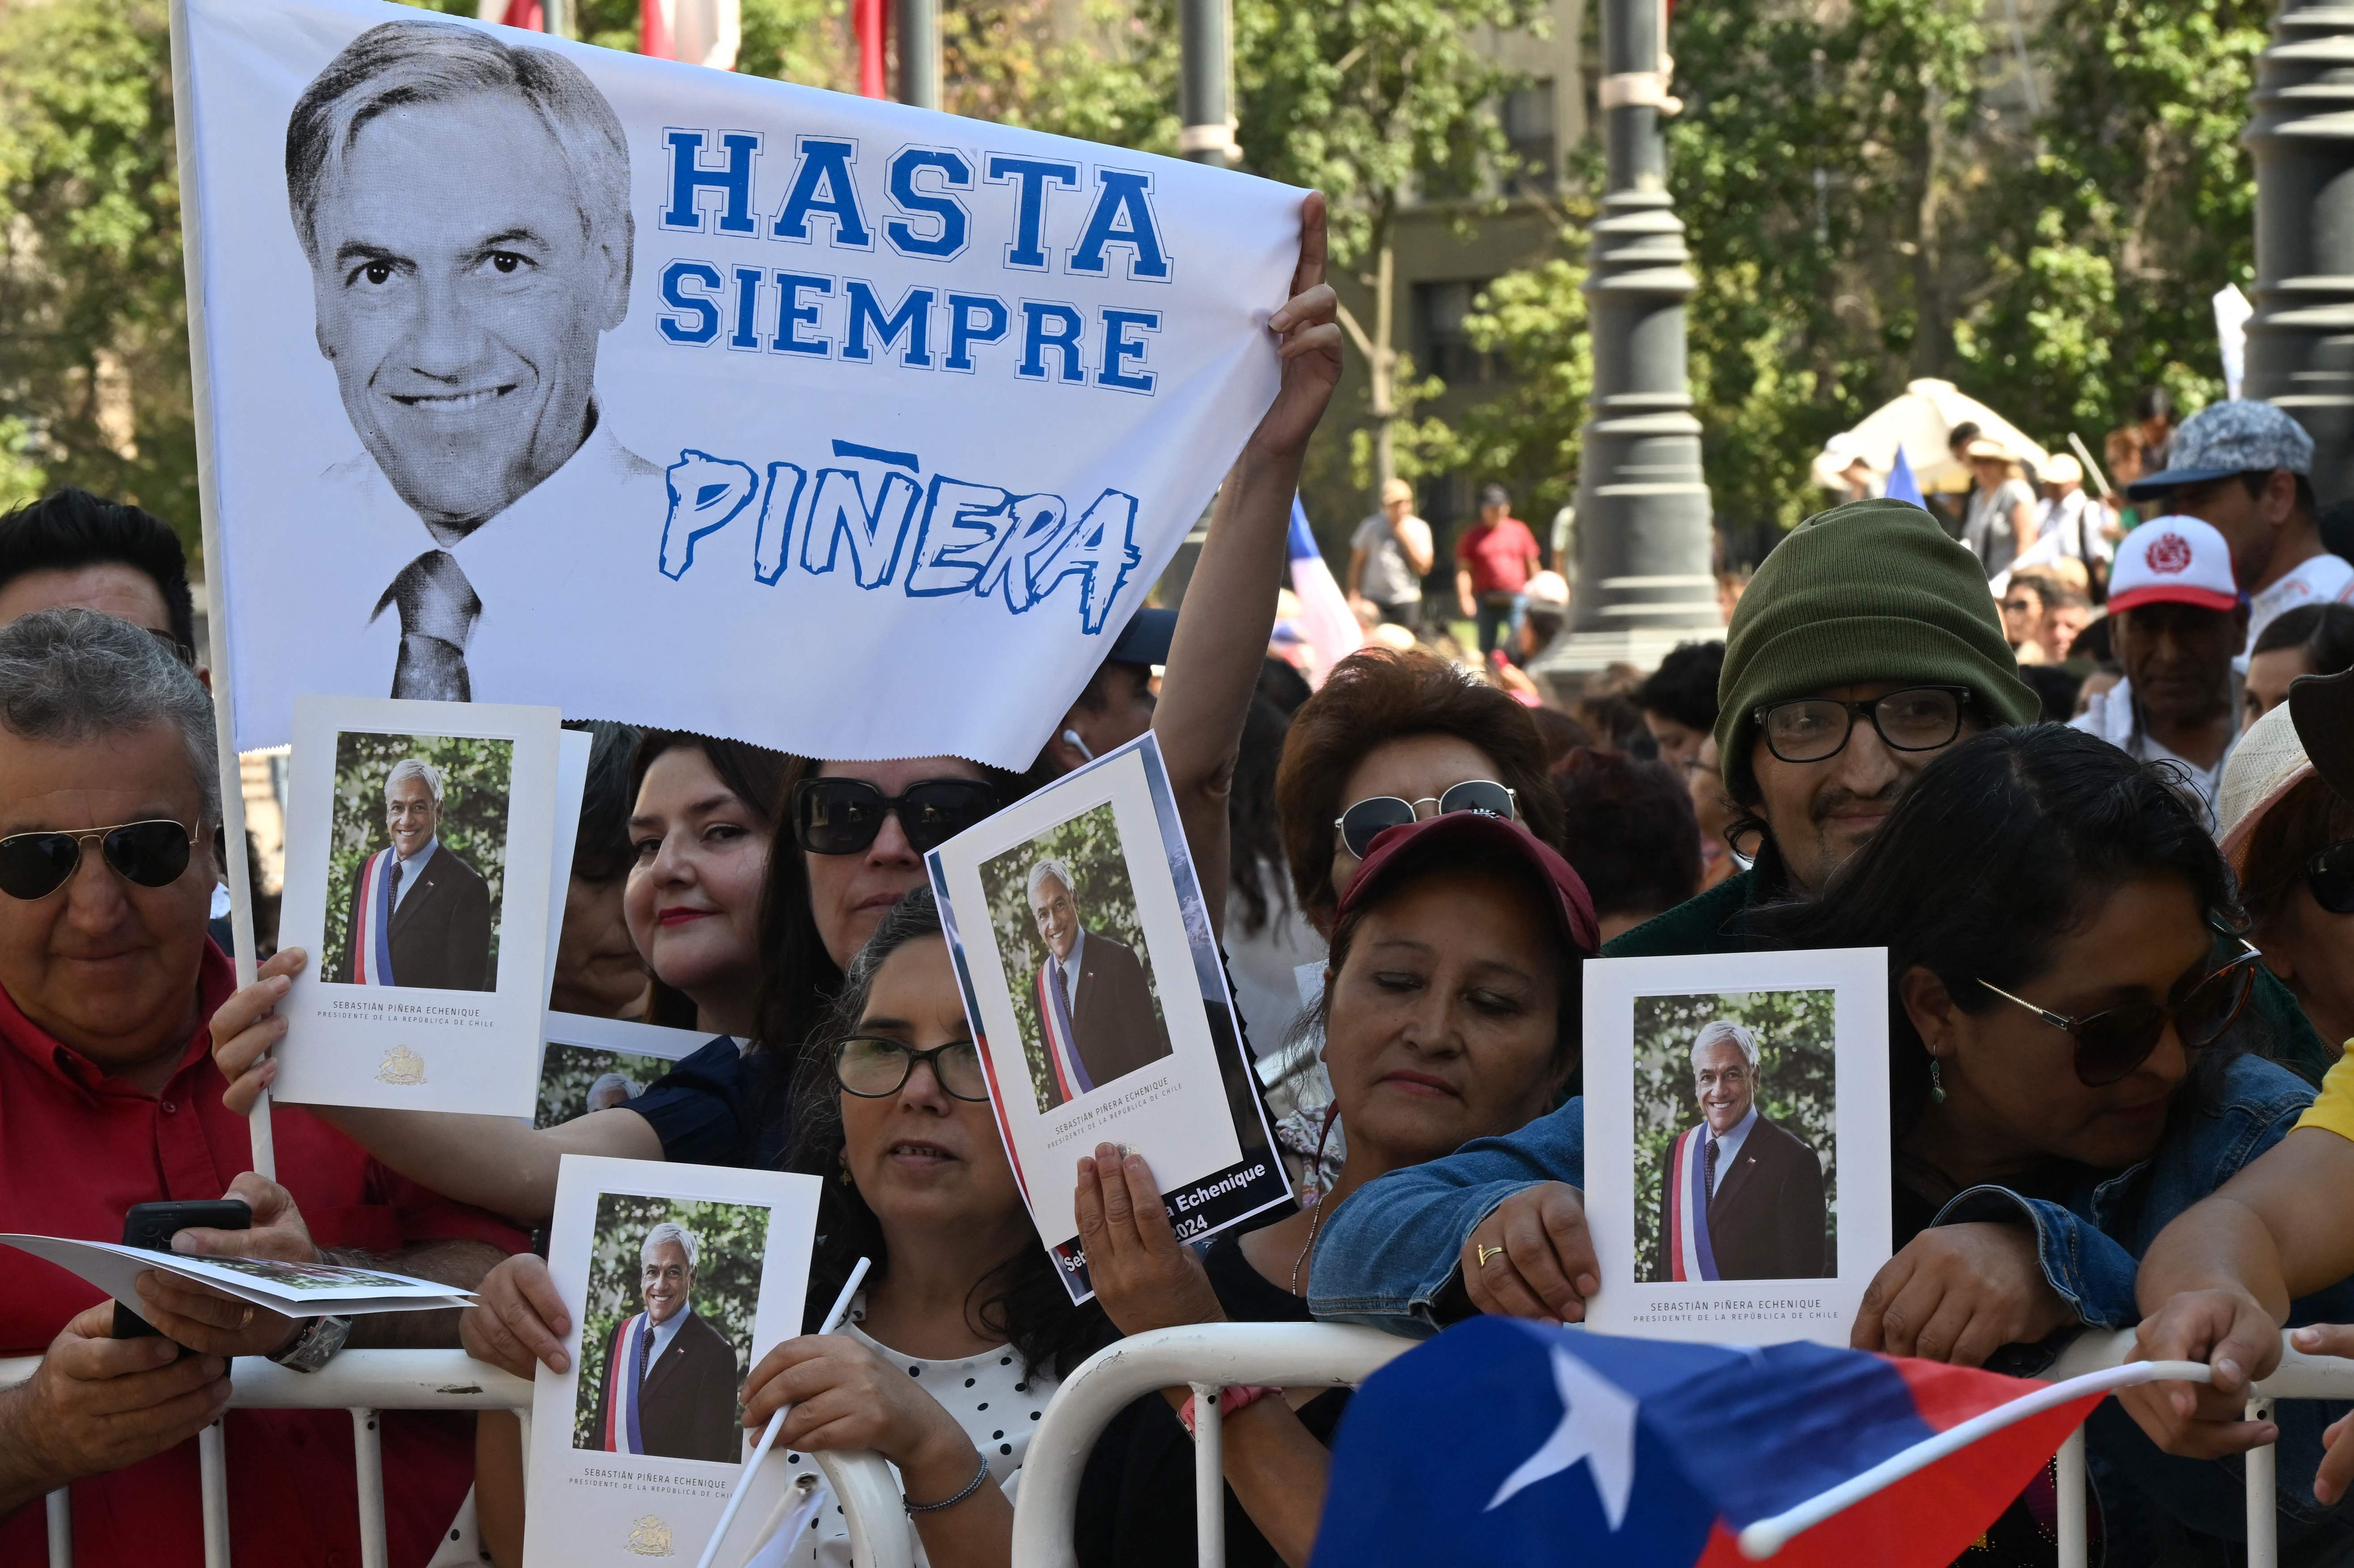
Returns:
(1368, 819)
(842, 816)
(2112, 1043)
(1815, 729)
(152, 854)
(874, 1068)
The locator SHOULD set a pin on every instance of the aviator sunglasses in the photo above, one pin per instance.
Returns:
(1368, 819)
(842, 816)
(2112, 1043)
(874, 1068)
(152, 854)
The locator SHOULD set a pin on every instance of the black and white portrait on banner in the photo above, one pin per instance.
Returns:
(1737, 1152)
(462, 314)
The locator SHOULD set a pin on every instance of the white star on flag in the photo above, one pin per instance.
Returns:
(1597, 1426)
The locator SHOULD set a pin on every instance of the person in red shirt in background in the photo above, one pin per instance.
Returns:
(109, 1096)
(1493, 562)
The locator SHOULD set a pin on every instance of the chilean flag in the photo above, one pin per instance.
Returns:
(1325, 618)
(1510, 1442)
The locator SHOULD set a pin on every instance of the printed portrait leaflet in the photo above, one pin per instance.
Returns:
(1095, 993)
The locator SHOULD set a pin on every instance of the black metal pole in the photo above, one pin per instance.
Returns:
(2300, 347)
(1206, 83)
(1644, 547)
(919, 53)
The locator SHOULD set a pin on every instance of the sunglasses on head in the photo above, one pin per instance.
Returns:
(842, 816)
(2329, 877)
(152, 854)
(2112, 1043)
(1368, 819)
(874, 1068)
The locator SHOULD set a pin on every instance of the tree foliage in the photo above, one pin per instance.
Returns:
(731, 1243)
(94, 387)
(1089, 845)
(474, 778)
(568, 1072)
(1796, 1083)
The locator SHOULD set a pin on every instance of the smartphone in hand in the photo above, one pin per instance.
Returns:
(153, 1225)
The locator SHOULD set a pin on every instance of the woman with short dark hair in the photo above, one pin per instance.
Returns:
(1629, 828)
(2311, 639)
(1389, 737)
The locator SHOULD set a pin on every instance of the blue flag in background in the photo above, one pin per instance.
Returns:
(1901, 485)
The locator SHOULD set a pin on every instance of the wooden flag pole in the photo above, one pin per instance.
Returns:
(232, 778)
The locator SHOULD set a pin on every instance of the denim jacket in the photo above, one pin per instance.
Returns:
(1387, 1255)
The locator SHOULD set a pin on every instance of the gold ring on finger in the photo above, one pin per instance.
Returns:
(1489, 1255)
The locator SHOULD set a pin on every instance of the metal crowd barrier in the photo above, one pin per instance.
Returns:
(1207, 1357)
(1314, 1355)
(366, 1381)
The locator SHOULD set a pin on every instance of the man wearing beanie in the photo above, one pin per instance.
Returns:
(1869, 642)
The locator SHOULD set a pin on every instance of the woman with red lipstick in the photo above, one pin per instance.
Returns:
(1450, 1013)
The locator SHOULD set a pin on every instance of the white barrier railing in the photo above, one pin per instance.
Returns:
(1209, 1356)
(367, 1382)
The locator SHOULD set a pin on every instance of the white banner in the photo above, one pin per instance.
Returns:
(544, 373)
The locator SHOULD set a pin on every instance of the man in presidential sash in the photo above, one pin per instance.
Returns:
(669, 1376)
(419, 916)
(1095, 1005)
(1740, 1198)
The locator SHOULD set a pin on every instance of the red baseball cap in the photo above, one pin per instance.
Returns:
(2173, 561)
(1411, 845)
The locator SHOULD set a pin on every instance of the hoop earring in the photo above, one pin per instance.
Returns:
(1936, 1087)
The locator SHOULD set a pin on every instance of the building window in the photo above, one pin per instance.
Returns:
(1534, 162)
(1445, 348)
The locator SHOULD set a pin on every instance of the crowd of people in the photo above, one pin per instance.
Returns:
(2115, 906)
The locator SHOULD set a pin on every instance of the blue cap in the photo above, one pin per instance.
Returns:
(2224, 439)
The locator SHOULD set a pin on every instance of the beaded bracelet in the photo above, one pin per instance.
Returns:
(971, 1487)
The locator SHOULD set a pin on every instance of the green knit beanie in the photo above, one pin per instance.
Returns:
(1873, 591)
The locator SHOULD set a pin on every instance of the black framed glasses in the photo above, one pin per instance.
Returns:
(2112, 1043)
(152, 854)
(1368, 819)
(874, 1068)
(2329, 876)
(1815, 729)
(842, 816)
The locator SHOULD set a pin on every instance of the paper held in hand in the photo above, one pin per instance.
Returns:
(298, 1289)
(678, 1280)
(1093, 989)
(1736, 1142)
(419, 868)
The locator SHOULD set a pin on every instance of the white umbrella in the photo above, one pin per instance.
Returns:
(1920, 422)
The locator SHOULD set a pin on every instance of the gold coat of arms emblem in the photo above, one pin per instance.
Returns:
(649, 1537)
(401, 1066)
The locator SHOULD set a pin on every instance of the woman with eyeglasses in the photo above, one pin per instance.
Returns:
(2070, 1067)
(961, 1332)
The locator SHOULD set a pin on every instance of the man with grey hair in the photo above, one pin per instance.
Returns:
(418, 916)
(463, 317)
(110, 1096)
(1740, 1198)
(1096, 1013)
(669, 1387)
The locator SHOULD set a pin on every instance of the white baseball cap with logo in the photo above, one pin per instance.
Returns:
(2173, 561)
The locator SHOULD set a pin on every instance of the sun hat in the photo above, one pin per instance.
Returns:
(2269, 761)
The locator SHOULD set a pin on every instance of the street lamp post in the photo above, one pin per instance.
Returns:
(1205, 83)
(2300, 345)
(1644, 582)
(919, 53)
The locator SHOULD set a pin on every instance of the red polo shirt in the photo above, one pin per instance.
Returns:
(1497, 555)
(77, 1149)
